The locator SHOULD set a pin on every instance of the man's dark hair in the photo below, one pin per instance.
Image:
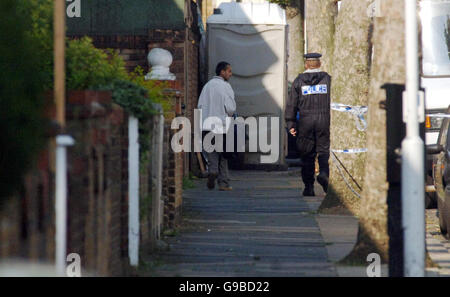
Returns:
(221, 66)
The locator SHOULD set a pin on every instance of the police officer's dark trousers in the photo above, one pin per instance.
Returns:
(314, 141)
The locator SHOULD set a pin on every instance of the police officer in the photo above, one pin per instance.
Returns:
(310, 96)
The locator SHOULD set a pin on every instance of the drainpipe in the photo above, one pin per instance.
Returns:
(62, 142)
(133, 191)
(413, 187)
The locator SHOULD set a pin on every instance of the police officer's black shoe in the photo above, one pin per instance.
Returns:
(322, 179)
(309, 190)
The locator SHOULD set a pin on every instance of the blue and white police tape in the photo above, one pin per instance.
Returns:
(351, 151)
(357, 111)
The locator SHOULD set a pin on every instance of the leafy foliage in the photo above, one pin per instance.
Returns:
(39, 13)
(154, 88)
(138, 101)
(26, 61)
(21, 82)
(88, 66)
(132, 97)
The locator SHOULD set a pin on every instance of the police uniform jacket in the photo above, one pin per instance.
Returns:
(310, 96)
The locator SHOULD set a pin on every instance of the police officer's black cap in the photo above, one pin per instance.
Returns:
(312, 56)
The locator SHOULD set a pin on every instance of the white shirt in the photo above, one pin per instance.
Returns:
(216, 100)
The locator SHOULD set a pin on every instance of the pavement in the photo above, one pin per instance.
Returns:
(264, 228)
(438, 246)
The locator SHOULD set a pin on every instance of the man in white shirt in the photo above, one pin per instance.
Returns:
(217, 101)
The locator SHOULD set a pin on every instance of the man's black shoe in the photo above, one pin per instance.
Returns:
(309, 191)
(322, 179)
(211, 181)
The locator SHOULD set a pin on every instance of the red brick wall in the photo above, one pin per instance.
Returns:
(96, 183)
(97, 197)
(134, 58)
(97, 190)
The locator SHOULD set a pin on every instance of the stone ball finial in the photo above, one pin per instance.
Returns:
(160, 61)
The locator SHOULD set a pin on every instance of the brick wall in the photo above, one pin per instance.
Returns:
(134, 58)
(98, 168)
(101, 230)
(173, 164)
(192, 94)
(27, 219)
(97, 197)
(97, 189)
(96, 182)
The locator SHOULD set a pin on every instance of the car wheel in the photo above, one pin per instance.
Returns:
(443, 213)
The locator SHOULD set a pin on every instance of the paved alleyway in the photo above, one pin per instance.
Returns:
(262, 228)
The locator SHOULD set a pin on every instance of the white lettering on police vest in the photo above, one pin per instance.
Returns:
(317, 89)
